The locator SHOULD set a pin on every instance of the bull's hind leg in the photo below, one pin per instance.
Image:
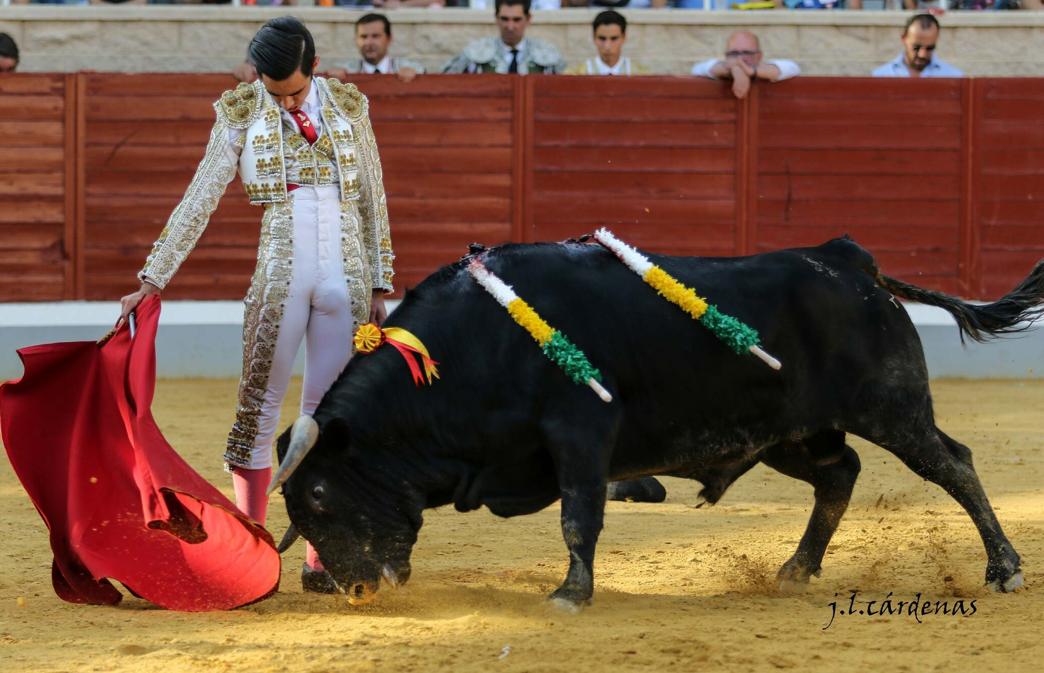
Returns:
(831, 466)
(948, 463)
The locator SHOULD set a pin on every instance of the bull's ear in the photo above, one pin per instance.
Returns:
(282, 444)
(335, 433)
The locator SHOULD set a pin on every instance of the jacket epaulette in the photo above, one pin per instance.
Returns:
(240, 107)
(347, 99)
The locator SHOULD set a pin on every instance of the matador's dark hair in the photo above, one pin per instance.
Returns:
(282, 47)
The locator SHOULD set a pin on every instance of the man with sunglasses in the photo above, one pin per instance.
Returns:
(743, 64)
(917, 59)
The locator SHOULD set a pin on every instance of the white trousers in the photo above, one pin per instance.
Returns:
(317, 310)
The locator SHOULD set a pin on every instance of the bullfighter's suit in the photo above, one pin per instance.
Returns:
(324, 244)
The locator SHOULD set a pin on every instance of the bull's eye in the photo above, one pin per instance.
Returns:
(317, 492)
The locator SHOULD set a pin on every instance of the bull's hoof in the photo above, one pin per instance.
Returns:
(563, 605)
(1004, 576)
(1013, 583)
(646, 489)
(317, 581)
(569, 600)
(793, 577)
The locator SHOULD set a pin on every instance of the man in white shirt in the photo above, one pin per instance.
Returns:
(917, 59)
(373, 36)
(743, 64)
(610, 34)
(510, 53)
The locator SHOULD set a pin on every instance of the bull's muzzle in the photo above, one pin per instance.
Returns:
(303, 436)
(360, 593)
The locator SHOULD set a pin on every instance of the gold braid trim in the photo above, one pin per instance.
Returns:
(373, 208)
(347, 99)
(240, 107)
(262, 316)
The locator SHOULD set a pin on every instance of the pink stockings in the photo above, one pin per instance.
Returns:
(250, 486)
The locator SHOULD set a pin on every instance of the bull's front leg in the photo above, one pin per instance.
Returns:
(583, 509)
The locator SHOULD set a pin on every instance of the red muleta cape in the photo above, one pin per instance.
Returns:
(119, 502)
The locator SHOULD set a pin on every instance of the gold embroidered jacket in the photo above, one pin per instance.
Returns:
(263, 154)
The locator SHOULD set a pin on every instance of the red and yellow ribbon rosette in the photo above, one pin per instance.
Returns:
(369, 337)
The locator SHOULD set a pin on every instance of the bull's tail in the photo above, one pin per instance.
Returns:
(1014, 312)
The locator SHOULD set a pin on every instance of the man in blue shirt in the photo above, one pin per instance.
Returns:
(917, 59)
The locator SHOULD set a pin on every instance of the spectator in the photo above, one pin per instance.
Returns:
(373, 36)
(8, 53)
(539, 5)
(610, 34)
(917, 59)
(512, 52)
(727, 4)
(743, 64)
(821, 4)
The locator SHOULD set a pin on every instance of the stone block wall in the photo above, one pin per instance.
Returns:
(214, 38)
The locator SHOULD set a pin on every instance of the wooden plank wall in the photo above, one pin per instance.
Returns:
(144, 136)
(37, 190)
(885, 169)
(942, 180)
(656, 162)
(1007, 184)
(447, 148)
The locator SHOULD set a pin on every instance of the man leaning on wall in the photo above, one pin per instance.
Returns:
(919, 39)
(743, 64)
(373, 37)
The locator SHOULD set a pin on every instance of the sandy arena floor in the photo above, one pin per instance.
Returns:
(676, 588)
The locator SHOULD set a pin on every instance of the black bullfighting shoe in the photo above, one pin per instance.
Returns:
(317, 581)
(646, 489)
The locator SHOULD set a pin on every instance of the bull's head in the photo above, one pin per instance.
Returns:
(361, 521)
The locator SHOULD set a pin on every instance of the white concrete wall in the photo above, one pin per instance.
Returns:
(203, 339)
(214, 38)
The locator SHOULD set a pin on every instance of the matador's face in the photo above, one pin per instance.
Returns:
(290, 93)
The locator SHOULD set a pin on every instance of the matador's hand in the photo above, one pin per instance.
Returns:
(378, 311)
(131, 301)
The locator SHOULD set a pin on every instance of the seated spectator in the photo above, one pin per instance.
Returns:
(8, 53)
(391, 4)
(728, 4)
(917, 59)
(610, 34)
(512, 52)
(817, 4)
(743, 64)
(539, 5)
(373, 36)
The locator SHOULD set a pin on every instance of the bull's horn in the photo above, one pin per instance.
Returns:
(302, 438)
(289, 537)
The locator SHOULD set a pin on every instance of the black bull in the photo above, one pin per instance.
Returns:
(505, 428)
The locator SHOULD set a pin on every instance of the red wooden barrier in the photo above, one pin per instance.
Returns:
(1007, 181)
(657, 164)
(144, 136)
(37, 190)
(884, 166)
(942, 180)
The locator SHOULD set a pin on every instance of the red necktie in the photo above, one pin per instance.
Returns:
(305, 126)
